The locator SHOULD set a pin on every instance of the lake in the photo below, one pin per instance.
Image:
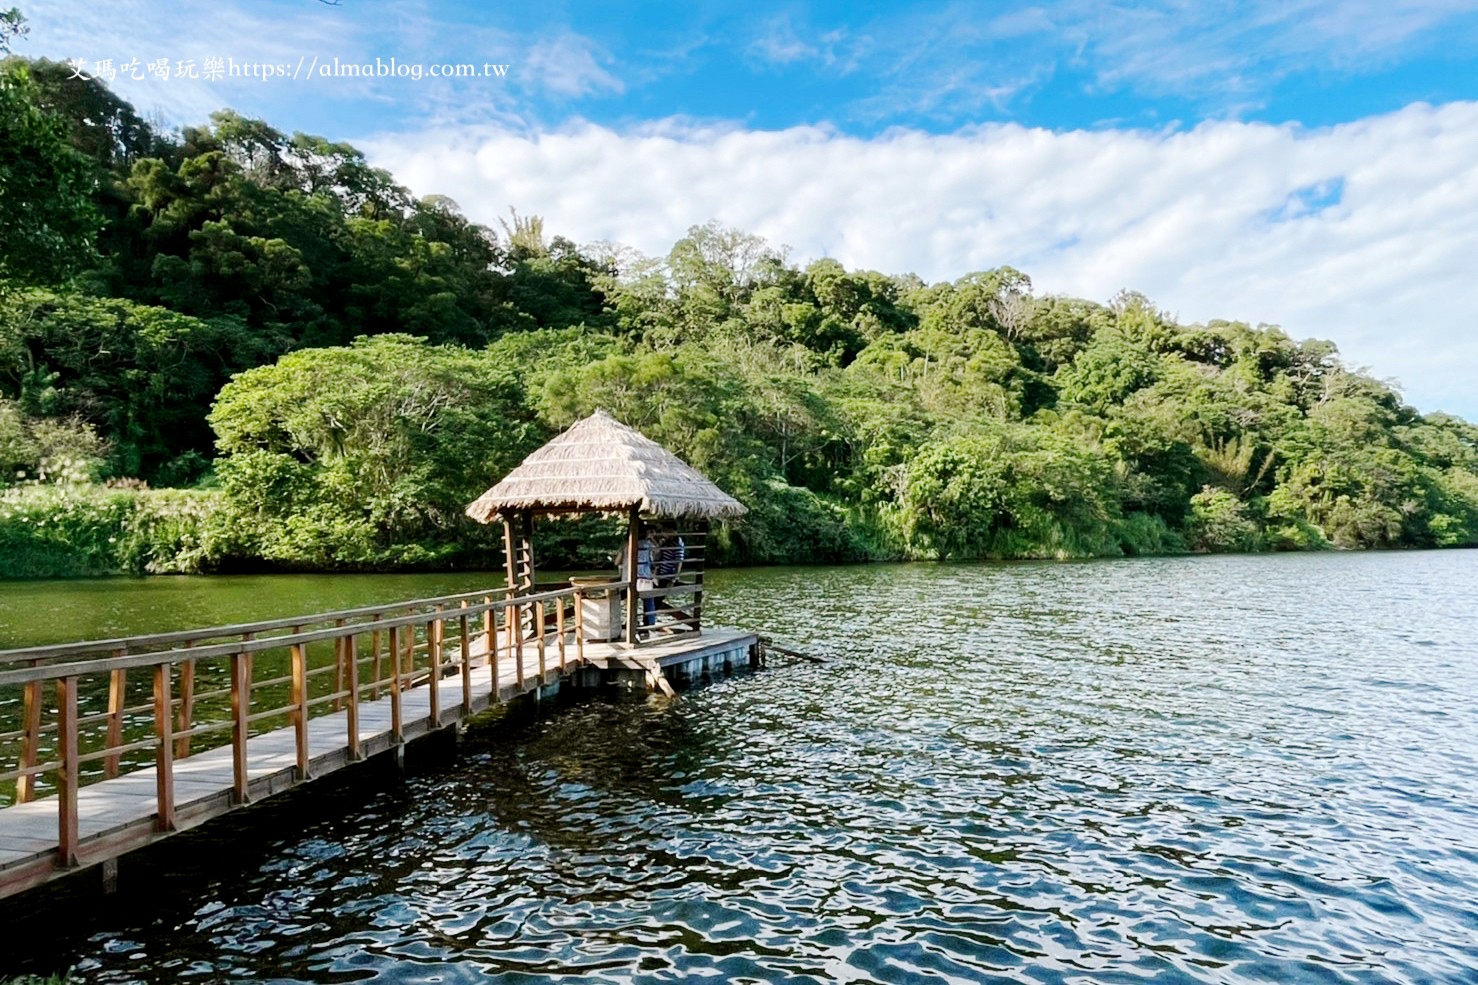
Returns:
(1219, 769)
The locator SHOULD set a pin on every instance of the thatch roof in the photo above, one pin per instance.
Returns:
(600, 465)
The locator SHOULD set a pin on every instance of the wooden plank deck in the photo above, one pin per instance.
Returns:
(121, 814)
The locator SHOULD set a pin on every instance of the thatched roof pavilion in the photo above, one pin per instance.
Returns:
(600, 465)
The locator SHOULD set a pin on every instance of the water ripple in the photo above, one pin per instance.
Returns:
(1221, 770)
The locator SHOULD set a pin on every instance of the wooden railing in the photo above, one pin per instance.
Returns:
(208, 688)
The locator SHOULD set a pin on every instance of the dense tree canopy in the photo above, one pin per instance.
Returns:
(268, 315)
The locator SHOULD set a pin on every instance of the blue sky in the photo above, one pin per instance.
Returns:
(1309, 163)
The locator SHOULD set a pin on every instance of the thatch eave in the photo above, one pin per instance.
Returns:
(600, 465)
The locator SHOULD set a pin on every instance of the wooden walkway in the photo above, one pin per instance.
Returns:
(348, 720)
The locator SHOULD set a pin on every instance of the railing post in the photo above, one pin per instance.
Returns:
(408, 658)
(495, 670)
(240, 725)
(489, 619)
(580, 625)
(433, 660)
(466, 662)
(117, 701)
(300, 704)
(559, 627)
(25, 784)
(352, 709)
(518, 639)
(340, 671)
(396, 728)
(187, 705)
(375, 655)
(164, 749)
(66, 788)
(517, 623)
(539, 629)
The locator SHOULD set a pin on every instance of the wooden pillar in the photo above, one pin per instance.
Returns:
(396, 729)
(164, 748)
(117, 701)
(187, 705)
(351, 715)
(433, 659)
(240, 724)
(466, 661)
(375, 668)
(526, 552)
(510, 560)
(539, 623)
(341, 673)
(580, 626)
(67, 782)
(490, 637)
(633, 604)
(25, 784)
(300, 705)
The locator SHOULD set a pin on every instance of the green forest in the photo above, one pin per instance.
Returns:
(230, 348)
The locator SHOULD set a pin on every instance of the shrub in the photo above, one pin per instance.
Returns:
(1221, 523)
(81, 530)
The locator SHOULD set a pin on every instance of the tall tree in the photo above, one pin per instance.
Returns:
(48, 221)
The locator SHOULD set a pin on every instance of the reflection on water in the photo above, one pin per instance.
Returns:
(1211, 769)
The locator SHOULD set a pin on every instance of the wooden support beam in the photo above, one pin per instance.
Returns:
(300, 706)
(466, 662)
(67, 778)
(510, 561)
(187, 705)
(351, 712)
(397, 730)
(408, 658)
(633, 604)
(117, 701)
(539, 633)
(526, 551)
(164, 749)
(240, 725)
(25, 784)
(515, 614)
(509, 612)
(580, 625)
(489, 635)
(375, 667)
(433, 682)
(516, 621)
(341, 672)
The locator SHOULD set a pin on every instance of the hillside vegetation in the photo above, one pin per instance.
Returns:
(333, 368)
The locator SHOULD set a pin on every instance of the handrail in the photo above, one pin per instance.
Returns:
(212, 632)
(47, 672)
(394, 659)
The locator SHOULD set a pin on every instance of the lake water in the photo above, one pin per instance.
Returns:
(1231, 769)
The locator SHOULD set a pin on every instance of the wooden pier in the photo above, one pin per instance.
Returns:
(121, 743)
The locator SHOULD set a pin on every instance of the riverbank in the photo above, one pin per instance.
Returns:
(78, 531)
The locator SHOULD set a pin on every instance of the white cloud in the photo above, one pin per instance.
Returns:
(1173, 45)
(569, 65)
(781, 44)
(1199, 220)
